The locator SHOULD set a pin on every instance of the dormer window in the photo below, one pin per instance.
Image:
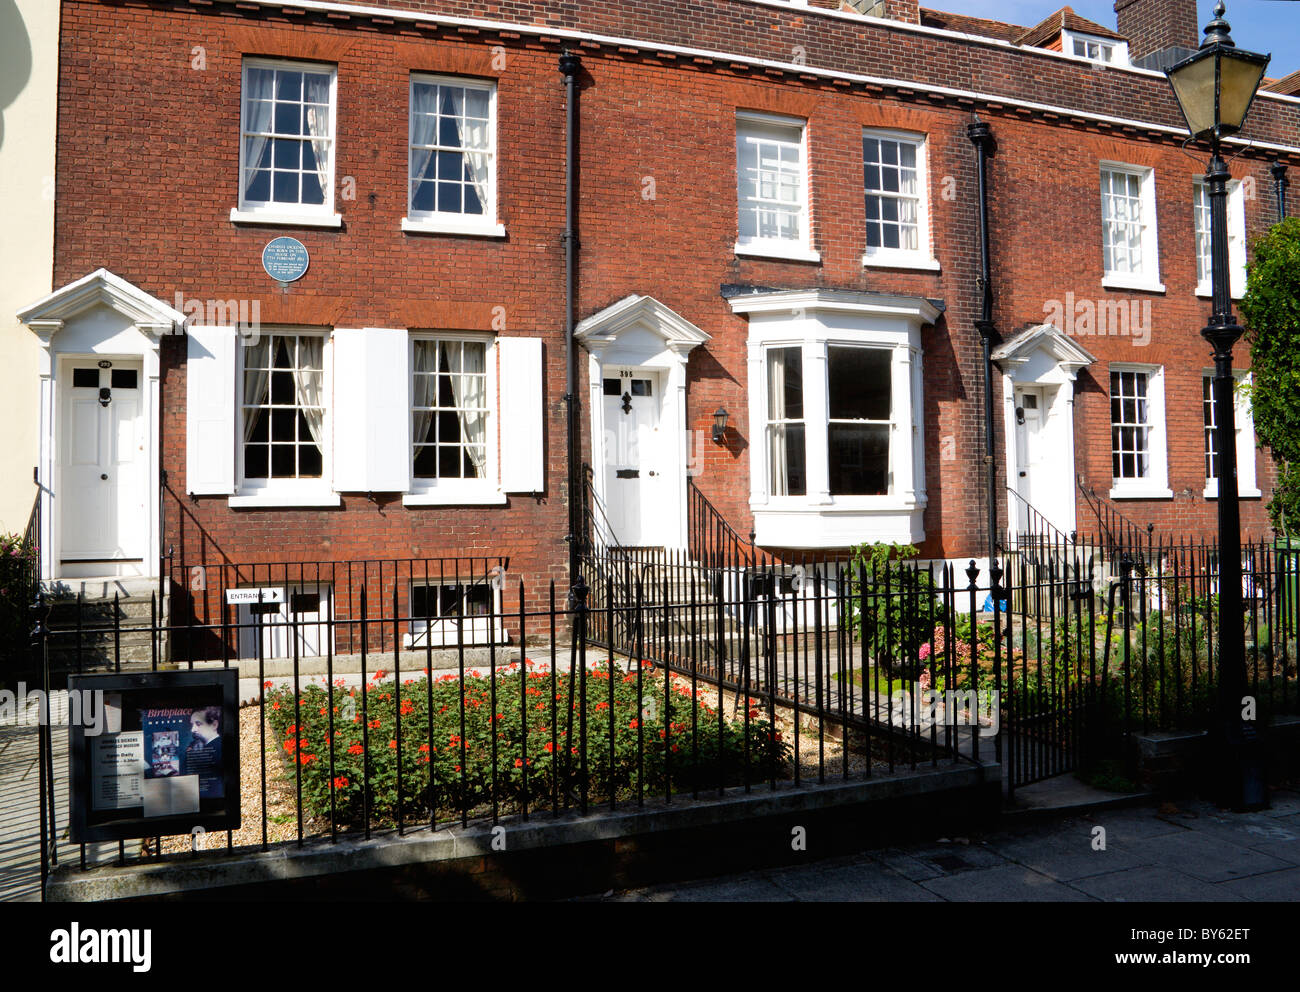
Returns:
(1107, 51)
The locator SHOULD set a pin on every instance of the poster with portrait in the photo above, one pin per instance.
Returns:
(165, 761)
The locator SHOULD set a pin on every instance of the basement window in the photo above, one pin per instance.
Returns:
(448, 614)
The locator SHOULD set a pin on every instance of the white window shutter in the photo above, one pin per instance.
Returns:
(210, 411)
(371, 411)
(523, 416)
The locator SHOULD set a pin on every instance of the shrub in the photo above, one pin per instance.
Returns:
(17, 572)
(900, 606)
(448, 768)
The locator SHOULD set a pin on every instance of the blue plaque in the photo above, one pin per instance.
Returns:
(285, 259)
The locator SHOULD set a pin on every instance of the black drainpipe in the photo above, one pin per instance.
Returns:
(570, 64)
(1280, 184)
(981, 135)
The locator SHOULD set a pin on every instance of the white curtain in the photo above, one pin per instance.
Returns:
(257, 377)
(257, 118)
(316, 89)
(474, 139)
(426, 387)
(775, 412)
(424, 124)
(308, 386)
(469, 391)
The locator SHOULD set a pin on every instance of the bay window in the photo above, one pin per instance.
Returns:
(836, 385)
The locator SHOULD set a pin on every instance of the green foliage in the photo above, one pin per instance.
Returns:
(1271, 308)
(17, 568)
(900, 605)
(527, 755)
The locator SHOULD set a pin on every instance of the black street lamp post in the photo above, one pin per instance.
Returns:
(1214, 88)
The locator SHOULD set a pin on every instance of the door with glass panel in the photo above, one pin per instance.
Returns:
(633, 466)
(103, 508)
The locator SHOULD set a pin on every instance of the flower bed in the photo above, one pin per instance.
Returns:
(463, 743)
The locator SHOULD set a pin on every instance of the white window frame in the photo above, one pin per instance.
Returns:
(1236, 238)
(309, 215)
(486, 490)
(814, 322)
(1155, 485)
(441, 632)
(923, 256)
(1118, 49)
(287, 492)
(1245, 423)
(1148, 280)
(440, 222)
(800, 250)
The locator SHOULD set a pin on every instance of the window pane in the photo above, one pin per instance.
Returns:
(785, 384)
(859, 383)
(859, 459)
(788, 460)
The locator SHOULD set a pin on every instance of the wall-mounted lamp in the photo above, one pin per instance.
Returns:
(1020, 415)
(719, 424)
(104, 396)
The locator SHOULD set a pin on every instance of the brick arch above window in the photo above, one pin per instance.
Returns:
(770, 100)
(260, 40)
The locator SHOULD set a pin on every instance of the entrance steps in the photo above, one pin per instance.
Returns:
(97, 623)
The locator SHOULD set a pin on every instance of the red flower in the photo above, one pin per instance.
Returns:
(275, 705)
(374, 724)
(408, 707)
(356, 749)
(379, 674)
(633, 725)
(424, 748)
(550, 747)
(393, 745)
(519, 762)
(341, 782)
(268, 684)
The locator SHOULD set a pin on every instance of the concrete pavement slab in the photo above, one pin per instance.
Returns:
(1154, 884)
(1005, 883)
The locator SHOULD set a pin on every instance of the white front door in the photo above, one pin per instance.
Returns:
(102, 499)
(1029, 451)
(634, 463)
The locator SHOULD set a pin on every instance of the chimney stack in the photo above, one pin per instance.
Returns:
(1158, 31)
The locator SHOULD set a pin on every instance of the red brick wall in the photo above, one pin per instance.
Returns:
(148, 155)
(1151, 25)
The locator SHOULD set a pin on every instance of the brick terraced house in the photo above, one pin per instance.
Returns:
(771, 283)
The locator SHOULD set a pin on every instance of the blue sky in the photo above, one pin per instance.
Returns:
(1271, 26)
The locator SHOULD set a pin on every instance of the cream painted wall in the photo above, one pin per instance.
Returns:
(29, 49)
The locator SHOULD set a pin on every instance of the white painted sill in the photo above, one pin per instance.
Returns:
(1133, 492)
(1205, 292)
(1212, 492)
(1141, 285)
(778, 250)
(920, 263)
(432, 226)
(286, 500)
(238, 216)
(486, 498)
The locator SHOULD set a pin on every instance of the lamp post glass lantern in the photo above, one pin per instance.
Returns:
(1214, 88)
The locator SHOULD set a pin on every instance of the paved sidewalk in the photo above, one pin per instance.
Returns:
(1191, 852)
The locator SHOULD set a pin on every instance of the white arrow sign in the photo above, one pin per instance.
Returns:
(269, 594)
